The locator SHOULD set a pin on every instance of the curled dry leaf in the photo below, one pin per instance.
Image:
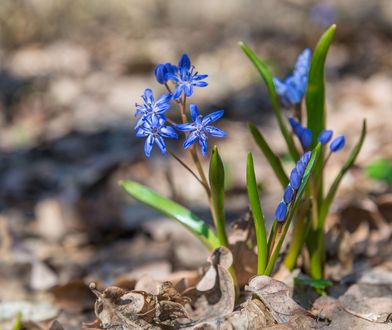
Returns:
(214, 295)
(275, 295)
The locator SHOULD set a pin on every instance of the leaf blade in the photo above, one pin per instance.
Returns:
(172, 210)
(258, 217)
(217, 183)
(273, 160)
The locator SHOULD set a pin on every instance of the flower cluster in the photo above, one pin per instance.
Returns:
(292, 89)
(292, 188)
(152, 122)
(304, 134)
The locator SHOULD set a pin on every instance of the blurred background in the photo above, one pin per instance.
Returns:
(70, 74)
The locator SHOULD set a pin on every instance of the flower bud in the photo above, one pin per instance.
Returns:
(281, 211)
(337, 144)
(325, 136)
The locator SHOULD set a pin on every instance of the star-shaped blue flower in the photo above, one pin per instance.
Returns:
(154, 129)
(150, 108)
(200, 127)
(185, 78)
(293, 88)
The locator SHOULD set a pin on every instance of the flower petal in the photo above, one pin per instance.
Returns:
(194, 111)
(184, 62)
(148, 96)
(177, 92)
(188, 89)
(197, 77)
(216, 132)
(191, 139)
(163, 99)
(212, 117)
(204, 145)
(185, 127)
(168, 132)
(148, 145)
(161, 144)
(200, 84)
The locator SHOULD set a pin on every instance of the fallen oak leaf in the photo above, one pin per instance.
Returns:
(276, 297)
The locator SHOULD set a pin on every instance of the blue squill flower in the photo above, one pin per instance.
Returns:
(200, 127)
(337, 144)
(304, 134)
(292, 89)
(185, 78)
(162, 70)
(325, 136)
(306, 138)
(151, 108)
(154, 129)
(291, 189)
(281, 211)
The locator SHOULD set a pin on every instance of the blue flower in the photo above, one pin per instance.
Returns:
(150, 108)
(185, 78)
(304, 134)
(281, 211)
(154, 129)
(162, 70)
(291, 189)
(325, 136)
(337, 144)
(200, 127)
(293, 88)
(306, 138)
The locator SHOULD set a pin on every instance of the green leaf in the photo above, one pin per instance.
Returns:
(319, 284)
(293, 207)
(258, 217)
(217, 183)
(273, 160)
(381, 170)
(172, 210)
(335, 185)
(268, 79)
(315, 93)
(315, 101)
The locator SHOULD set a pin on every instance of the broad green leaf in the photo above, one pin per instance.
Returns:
(217, 184)
(335, 185)
(268, 79)
(293, 207)
(315, 93)
(380, 169)
(258, 217)
(315, 100)
(172, 210)
(273, 160)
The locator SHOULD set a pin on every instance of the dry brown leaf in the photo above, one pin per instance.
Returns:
(250, 315)
(242, 241)
(275, 295)
(219, 300)
(368, 301)
(119, 309)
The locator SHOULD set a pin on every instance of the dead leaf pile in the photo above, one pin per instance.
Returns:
(208, 305)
